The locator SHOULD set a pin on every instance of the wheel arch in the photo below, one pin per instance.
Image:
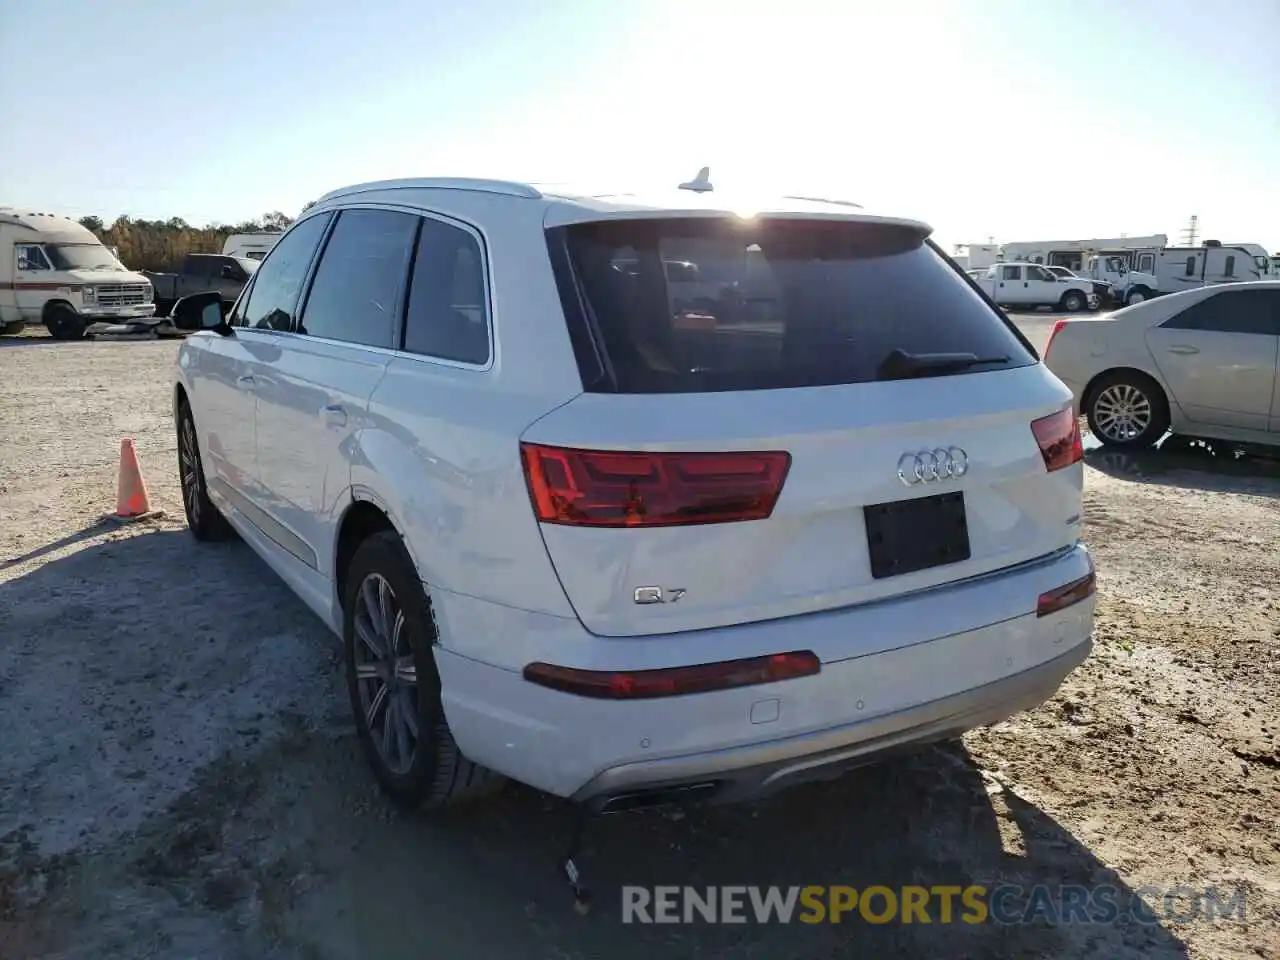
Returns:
(1086, 395)
(1082, 294)
(51, 305)
(364, 515)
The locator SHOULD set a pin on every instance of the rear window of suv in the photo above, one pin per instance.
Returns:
(765, 304)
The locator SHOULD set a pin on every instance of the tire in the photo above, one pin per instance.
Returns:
(1073, 301)
(63, 323)
(408, 744)
(1127, 409)
(203, 519)
(1136, 296)
(12, 327)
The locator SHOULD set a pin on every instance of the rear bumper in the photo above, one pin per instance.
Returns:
(760, 769)
(894, 675)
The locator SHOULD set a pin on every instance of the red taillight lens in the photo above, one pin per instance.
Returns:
(606, 488)
(1063, 597)
(1057, 329)
(675, 681)
(1058, 436)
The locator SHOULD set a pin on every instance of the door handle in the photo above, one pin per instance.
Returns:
(1183, 348)
(246, 381)
(334, 414)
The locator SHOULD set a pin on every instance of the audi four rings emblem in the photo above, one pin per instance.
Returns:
(929, 466)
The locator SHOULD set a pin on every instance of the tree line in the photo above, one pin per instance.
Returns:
(160, 245)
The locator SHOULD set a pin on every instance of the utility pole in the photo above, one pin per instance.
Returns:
(1191, 232)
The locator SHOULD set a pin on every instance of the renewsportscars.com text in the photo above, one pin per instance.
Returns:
(969, 904)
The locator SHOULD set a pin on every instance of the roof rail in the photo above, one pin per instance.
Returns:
(838, 203)
(505, 187)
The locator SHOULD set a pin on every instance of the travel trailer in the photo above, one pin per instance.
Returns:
(1261, 258)
(1137, 252)
(1139, 268)
(250, 246)
(1185, 268)
(975, 256)
(54, 271)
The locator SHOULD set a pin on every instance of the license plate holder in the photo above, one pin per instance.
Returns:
(909, 535)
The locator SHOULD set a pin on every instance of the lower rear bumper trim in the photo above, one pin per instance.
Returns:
(744, 773)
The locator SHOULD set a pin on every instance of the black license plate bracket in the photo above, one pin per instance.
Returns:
(910, 535)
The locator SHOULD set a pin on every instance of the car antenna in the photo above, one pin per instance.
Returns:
(701, 183)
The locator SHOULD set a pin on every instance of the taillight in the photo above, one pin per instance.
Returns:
(1058, 436)
(673, 681)
(1065, 596)
(1057, 329)
(607, 488)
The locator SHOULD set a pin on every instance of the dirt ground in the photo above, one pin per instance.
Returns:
(179, 777)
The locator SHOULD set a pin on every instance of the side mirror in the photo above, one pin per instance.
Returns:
(201, 311)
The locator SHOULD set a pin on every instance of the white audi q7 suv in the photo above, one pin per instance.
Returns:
(580, 530)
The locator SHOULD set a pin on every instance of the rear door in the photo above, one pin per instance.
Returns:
(313, 397)
(1218, 358)
(1042, 286)
(792, 452)
(1011, 285)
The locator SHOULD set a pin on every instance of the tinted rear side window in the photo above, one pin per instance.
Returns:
(448, 309)
(766, 304)
(356, 293)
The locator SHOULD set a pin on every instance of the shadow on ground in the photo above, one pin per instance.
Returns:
(244, 823)
(1193, 464)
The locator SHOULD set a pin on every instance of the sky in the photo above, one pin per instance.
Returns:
(1004, 119)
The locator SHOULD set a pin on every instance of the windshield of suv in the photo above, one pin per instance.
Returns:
(780, 303)
(82, 256)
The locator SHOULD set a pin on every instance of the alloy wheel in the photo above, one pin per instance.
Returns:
(189, 465)
(386, 674)
(1122, 412)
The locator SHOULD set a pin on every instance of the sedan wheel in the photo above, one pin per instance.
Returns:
(1127, 411)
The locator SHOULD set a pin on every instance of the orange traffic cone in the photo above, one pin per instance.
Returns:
(132, 500)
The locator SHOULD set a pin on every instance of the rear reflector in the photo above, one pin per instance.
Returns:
(607, 488)
(673, 682)
(1063, 597)
(1058, 436)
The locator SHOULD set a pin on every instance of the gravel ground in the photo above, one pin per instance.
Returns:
(178, 778)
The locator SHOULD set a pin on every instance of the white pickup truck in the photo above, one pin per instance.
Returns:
(1026, 286)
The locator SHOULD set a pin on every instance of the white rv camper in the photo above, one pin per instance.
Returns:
(1186, 268)
(54, 271)
(976, 256)
(251, 246)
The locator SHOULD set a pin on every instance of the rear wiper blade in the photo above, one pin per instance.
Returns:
(900, 365)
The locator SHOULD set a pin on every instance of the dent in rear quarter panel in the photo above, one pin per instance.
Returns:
(442, 447)
(441, 452)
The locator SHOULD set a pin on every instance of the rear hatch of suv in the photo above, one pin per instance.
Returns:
(831, 415)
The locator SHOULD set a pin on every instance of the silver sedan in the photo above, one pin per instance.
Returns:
(1202, 363)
